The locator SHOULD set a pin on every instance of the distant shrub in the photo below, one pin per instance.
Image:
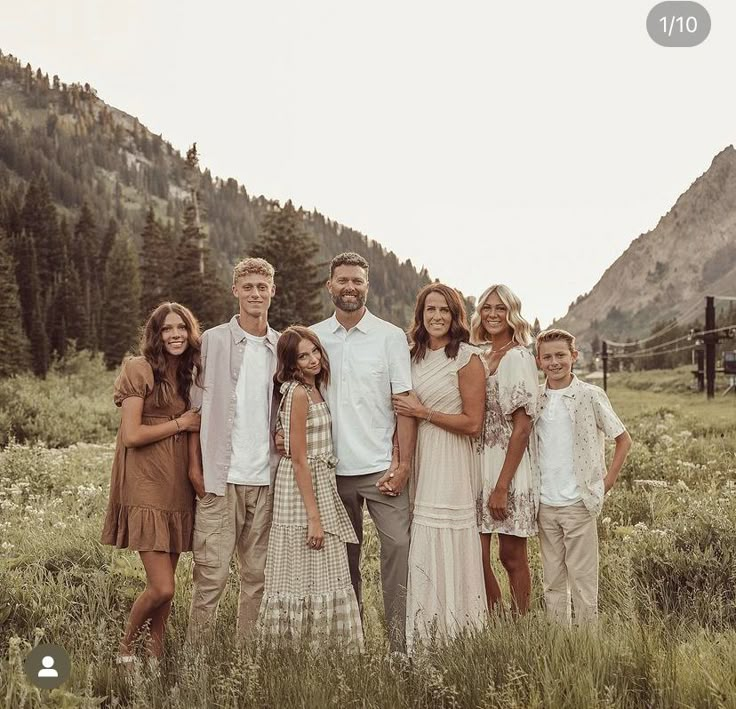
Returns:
(686, 568)
(72, 405)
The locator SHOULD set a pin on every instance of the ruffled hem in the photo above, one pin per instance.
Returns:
(444, 517)
(148, 529)
(318, 619)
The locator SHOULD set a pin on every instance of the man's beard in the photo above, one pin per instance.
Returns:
(349, 306)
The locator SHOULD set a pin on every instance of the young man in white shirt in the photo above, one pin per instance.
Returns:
(573, 421)
(232, 460)
(369, 361)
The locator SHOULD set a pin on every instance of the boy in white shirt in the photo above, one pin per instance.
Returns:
(574, 419)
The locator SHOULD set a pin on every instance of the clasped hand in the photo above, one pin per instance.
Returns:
(408, 404)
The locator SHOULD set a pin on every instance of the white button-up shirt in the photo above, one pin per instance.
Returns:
(368, 363)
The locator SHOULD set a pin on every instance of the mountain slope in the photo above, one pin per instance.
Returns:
(668, 271)
(91, 152)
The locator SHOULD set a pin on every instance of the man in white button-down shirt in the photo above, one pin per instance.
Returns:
(369, 361)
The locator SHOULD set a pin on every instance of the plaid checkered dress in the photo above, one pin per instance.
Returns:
(308, 595)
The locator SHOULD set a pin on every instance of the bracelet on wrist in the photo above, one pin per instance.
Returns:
(428, 417)
(178, 427)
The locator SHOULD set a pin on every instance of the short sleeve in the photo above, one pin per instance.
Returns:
(196, 393)
(518, 383)
(284, 418)
(465, 354)
(135, 379)
(399, 363)
(605, 417)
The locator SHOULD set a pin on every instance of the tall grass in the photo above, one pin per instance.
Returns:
(667, 635)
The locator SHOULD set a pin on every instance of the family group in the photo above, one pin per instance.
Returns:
(269, 446)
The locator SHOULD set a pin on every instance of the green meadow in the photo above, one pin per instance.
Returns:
(667, 636)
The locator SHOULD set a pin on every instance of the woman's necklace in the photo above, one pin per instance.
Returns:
(501, 349)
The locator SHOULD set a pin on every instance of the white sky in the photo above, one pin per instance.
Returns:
(524, 143)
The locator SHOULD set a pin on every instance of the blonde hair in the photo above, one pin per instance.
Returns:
(521, 330)
(258, 266)
(556, 333)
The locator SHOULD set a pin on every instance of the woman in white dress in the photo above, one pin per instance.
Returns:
(445, 588)
(508, 462)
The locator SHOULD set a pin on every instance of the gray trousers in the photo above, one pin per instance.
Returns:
(391, 517)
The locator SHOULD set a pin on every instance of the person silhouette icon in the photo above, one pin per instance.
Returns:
(48, 667)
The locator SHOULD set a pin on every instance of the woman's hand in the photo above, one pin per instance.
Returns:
(497, 502)
(190, 420)
(315, 534)
(408, 404)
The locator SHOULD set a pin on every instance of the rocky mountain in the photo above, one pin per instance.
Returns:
(93, 153)
(667, 272)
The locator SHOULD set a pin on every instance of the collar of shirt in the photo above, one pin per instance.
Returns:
(364, 324)
(569, 391)
(238, 334)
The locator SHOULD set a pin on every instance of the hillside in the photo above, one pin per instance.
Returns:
(94, 153)
(668, 271)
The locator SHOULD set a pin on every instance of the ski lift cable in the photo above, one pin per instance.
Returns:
(653, 350)
(636, 355)
(680, 320)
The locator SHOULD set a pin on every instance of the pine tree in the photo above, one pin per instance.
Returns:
(285, 244)
(121, 312)
(14, 346)
(536, 328)
(84, 251)
(155, 264)
(26, 273)
(40, 221)
(204, 295)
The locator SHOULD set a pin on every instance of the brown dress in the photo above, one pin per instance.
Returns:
(151, 505)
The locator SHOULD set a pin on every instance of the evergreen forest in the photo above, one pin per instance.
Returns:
(101, 220)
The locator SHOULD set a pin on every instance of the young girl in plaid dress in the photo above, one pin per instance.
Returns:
(308, 594)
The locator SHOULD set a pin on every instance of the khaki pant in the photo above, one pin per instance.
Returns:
(241, 519)
(391, 517)
(568, 542)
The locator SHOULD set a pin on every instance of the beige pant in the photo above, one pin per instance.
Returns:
(241, 519)
(391, 517)
(568, 542)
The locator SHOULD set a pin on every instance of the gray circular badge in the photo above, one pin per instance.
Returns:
(47, 666)
(678, 23)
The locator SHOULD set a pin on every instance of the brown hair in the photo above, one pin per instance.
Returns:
(556, 334)
(348, 258)
(189, 363)
(459, 331)
(287, 353)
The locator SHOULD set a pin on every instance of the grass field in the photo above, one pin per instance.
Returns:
(667, 636)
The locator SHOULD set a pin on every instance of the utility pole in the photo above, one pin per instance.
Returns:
(710, 338)
(604, 358)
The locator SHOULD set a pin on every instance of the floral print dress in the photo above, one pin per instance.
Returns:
(512, 386)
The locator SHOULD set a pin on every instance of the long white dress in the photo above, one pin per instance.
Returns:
(445, 588)
(512, 386)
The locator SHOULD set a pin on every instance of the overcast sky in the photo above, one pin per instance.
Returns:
(524, 143)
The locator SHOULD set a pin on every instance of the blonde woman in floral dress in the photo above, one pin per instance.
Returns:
(308, 594)
(509, 470)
